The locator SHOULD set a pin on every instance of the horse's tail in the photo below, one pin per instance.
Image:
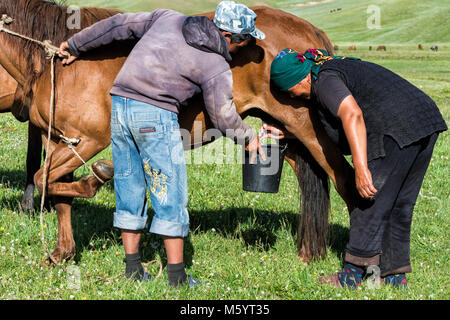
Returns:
(315, 205)
(325, 40)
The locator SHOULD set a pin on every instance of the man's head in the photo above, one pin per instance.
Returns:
(236, 40)
(237, 23)
(291, 72)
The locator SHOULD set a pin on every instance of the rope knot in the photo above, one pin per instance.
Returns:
(50, 50)
(5, 19)
(69, 141)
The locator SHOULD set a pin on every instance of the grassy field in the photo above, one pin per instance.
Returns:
(242, 244)
(401, 21)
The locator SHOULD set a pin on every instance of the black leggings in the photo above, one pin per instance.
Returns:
(380, 229)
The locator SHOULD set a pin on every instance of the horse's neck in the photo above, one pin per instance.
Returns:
(16, 58)
(12, 65)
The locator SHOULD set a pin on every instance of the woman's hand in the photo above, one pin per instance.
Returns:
(364, 183)
(65, 54)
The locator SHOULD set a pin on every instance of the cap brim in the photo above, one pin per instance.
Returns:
(258, 34)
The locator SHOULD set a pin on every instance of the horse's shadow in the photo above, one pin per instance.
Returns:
(92, 225)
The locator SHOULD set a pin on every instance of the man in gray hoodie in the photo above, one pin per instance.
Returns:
(175, 58)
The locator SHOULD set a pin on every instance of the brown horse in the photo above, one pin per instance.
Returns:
(82, 109)
(10, 101)
(7, 91)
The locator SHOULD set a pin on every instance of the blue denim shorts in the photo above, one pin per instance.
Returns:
(148, 156)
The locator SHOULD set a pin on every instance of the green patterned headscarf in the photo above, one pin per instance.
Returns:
(290, 67)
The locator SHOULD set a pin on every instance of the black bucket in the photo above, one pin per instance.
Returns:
(264, 176)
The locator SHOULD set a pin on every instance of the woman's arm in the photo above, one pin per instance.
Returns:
(355, 130)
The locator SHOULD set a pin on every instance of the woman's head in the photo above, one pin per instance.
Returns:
(292, 71)
(301, 89)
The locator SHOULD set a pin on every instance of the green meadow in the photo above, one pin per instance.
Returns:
(243, 245)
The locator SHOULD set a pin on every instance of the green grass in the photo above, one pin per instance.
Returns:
(242, 244)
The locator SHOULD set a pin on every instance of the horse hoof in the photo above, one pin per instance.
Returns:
(332, 280)
(104, 169)
(58, 256)
(27, 203)
(304, 256)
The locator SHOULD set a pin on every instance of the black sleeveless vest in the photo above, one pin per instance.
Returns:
(390, 106)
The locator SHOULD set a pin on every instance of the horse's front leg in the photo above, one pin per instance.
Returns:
(65, 248)
(63, 161)
(61, 164)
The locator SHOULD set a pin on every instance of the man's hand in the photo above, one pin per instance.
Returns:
(254, 147)
(273, 132)
(65, 54)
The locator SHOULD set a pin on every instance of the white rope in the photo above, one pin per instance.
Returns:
(71, 143)
(44, 178)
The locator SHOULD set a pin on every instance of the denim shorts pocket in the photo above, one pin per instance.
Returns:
(148, 132)
(120, 148)
(154, 142)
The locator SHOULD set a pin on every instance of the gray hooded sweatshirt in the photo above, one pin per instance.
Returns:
(175, 58)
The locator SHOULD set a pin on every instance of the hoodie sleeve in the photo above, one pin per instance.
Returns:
(218, 97)
(128, 26)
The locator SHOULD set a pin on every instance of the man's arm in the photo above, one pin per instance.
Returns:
(218, 97)
(128, 26)
(355, 130)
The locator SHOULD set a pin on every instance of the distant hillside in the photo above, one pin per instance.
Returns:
(187, 7)
(402, 21)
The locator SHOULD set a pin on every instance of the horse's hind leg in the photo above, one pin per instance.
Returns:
(34, 154)
(310, 165)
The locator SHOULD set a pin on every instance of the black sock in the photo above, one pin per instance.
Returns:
(176, 274)
(134, 267)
